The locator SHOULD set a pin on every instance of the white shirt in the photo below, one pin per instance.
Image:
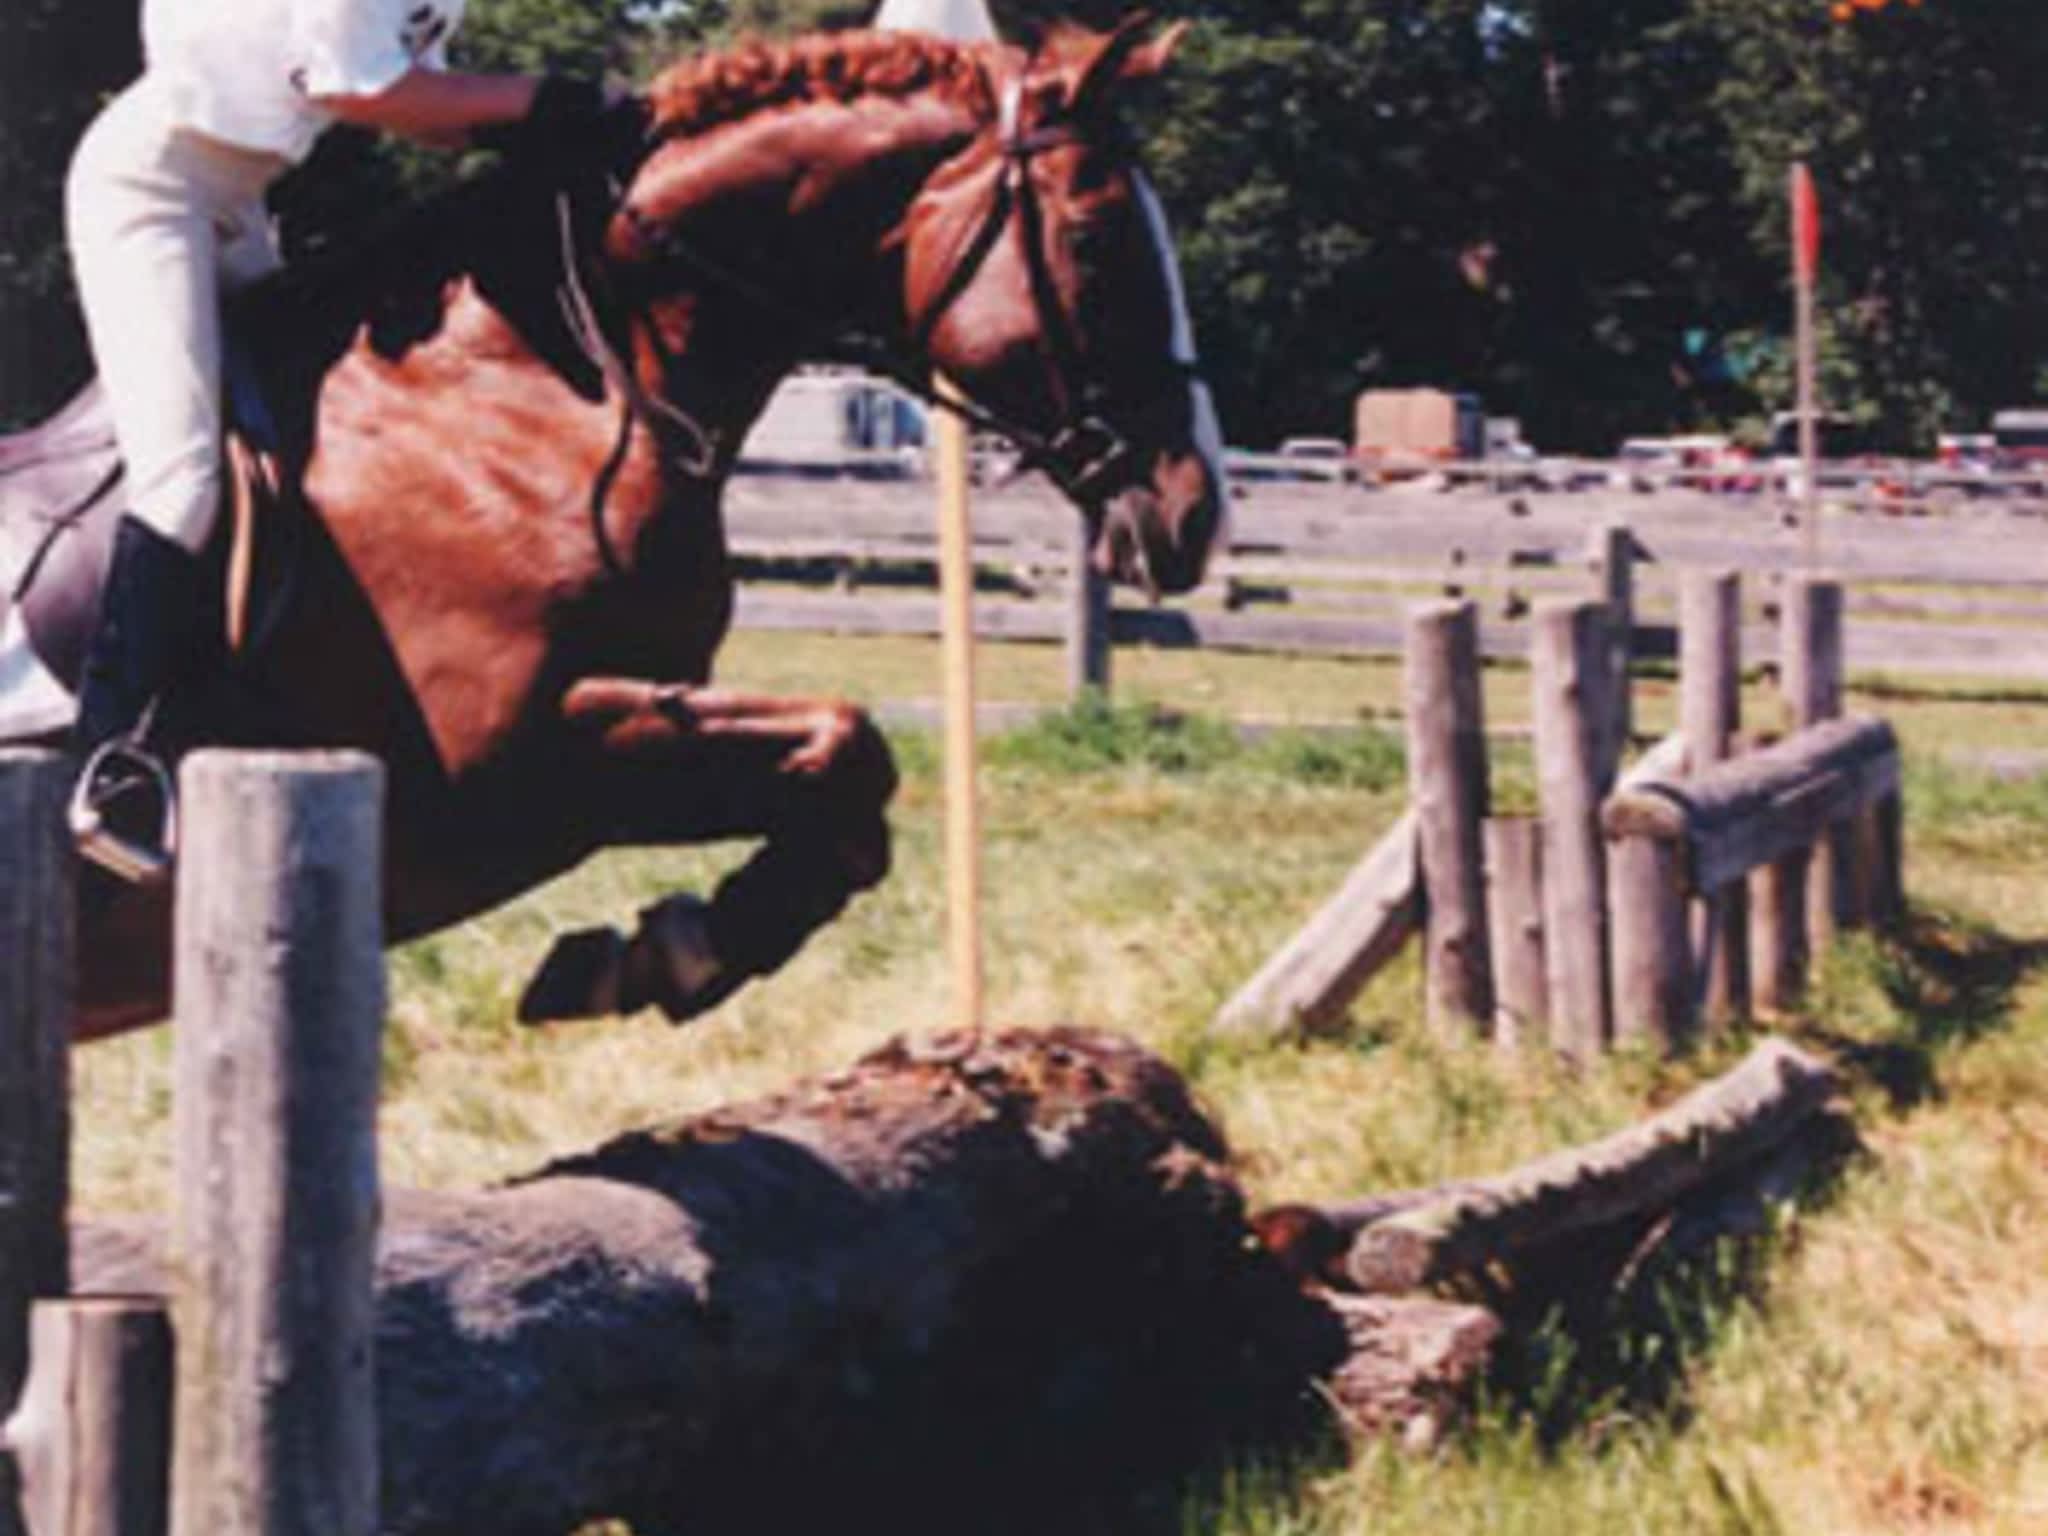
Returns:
(247, 71)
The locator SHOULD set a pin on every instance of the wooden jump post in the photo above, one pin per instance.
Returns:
(1447, 787)
(1576, 739)
(279, 1008)
(36, 931)
(1709, 715)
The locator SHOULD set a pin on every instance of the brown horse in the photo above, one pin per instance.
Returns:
(514, 578)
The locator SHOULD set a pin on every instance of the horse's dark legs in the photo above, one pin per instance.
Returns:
(812, 778)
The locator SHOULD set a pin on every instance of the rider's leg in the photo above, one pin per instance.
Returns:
(151, 212)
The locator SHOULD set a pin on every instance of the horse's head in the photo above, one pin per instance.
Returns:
(1040, 280)
(964, 209)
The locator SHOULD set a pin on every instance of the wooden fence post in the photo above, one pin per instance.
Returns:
(94, 1428)
(1447, 786)
(1574, 699)
(1709, 714)
(36, 993)
(1653, 970)
(1514, 928)
(279, 1006)
(1812, 668)
(1088, 620)
(1611, 553)
(1778, 944)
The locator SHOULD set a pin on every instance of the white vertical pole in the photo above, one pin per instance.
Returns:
(964, 21)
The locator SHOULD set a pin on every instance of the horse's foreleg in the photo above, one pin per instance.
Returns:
(812, 778)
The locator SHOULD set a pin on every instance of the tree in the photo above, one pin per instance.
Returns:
(58, 59)
(1926, 136)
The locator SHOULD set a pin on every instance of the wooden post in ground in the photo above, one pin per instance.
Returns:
(1514, 929)
(1778, 945)
(1447, 786)
(1088, 621)
(1654, 991)
(279, 1007)
(1709, 714)
(1811, 672)
(36, 982)
(93, 1432)
(1572, 678)
(1611, 553)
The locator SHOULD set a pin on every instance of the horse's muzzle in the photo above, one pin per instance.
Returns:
(1157, 536)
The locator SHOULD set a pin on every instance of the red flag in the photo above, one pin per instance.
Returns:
(1805, 224)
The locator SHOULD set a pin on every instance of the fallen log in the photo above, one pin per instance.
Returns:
(994, 1282)
(1717, 1128)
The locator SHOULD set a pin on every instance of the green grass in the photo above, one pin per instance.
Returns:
(1880, 1365)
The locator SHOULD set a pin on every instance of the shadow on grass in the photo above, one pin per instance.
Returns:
(1945, 981)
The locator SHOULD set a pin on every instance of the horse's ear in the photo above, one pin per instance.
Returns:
(1129, 53)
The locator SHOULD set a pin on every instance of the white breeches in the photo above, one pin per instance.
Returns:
(161, 221)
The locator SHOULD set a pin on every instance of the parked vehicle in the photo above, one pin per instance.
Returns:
(2020, 438)
(1320, 458)
(1410, 431)
(1704, 461)
(838, 422)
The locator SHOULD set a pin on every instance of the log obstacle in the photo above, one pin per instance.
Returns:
(1636, 905)
(1010, 1259)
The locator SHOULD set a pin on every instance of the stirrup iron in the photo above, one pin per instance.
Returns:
(114, 771)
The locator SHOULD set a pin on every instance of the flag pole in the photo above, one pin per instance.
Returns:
(966, 21)
(1805, 271)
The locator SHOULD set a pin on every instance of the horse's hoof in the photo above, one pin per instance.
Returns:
(582, 978)
(672, 965)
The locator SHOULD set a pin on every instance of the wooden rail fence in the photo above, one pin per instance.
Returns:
(1309, 570)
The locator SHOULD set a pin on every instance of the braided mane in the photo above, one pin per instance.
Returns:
(700, 93)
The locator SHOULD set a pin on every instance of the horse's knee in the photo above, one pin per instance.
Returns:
(860, 781)
(864, 853)
(858, 773)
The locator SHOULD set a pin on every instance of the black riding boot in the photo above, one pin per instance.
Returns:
(153, 621)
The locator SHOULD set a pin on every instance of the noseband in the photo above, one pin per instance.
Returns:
(1084, 455)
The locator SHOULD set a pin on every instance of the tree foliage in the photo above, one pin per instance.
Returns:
(1573, 207)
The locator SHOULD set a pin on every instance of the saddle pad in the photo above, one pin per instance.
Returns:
(32, 702)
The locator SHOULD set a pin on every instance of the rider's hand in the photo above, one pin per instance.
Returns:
(571, 122)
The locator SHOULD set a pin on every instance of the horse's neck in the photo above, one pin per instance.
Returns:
(824, 261)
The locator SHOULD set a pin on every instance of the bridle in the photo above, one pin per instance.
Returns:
(1086, 456)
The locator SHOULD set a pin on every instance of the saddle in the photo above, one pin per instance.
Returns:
(61, 497)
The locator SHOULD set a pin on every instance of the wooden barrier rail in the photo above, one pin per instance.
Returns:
(1729, 817)
(1700, 836)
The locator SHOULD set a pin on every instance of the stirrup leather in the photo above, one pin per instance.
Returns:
(114, 773)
